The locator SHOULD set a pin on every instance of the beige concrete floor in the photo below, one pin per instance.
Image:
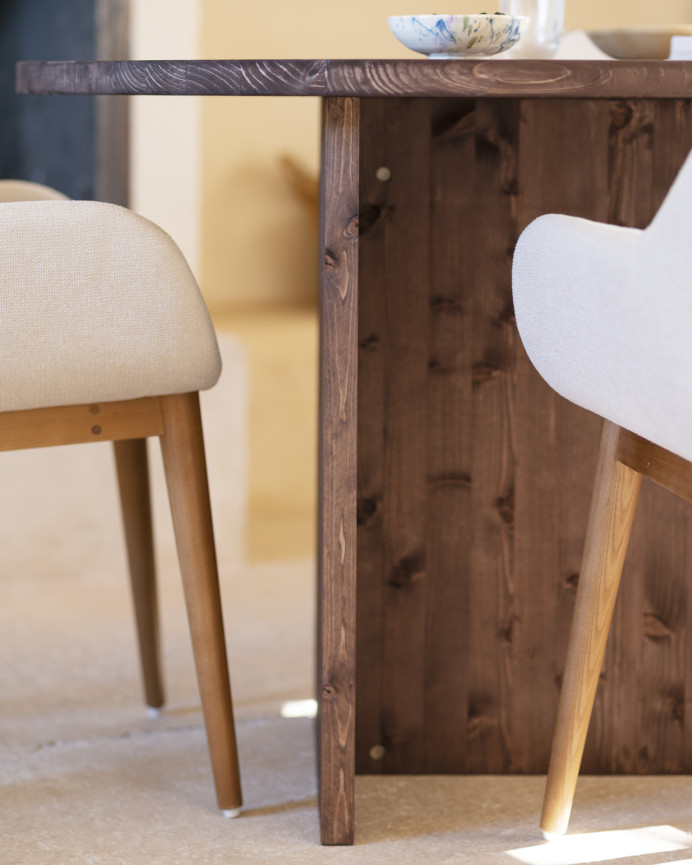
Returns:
(87, 778)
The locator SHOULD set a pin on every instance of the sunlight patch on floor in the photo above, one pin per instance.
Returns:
(605, 846)
(299, 709)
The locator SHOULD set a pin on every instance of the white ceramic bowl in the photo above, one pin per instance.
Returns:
(446, 37)
(635, 43)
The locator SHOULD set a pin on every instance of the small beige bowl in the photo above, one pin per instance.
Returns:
(634, 43)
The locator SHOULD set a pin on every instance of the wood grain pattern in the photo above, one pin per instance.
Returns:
(405, 347)
(613, 79)
(371, 744)
(135, 504)
(449, 461)
(492, 591)
(553, 481)
(338, 432)
(656, 463)
(661, 618)
(509, 464)
(105, 421)
(182, 448)
(616, 490)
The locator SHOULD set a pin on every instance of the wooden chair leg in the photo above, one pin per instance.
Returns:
(610, 521)
(186, 475)
(133, 480)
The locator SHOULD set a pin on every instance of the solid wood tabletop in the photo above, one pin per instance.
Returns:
(612, 79)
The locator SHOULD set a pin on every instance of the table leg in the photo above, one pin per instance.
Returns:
(337, 507)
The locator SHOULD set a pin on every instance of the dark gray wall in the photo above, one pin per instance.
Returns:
(48, 139)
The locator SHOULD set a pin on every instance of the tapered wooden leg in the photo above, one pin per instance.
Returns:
(133, 480)
(186, 475)
(610, 521)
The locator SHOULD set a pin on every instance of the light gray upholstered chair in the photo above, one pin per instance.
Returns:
(105, 337)
(605, 314)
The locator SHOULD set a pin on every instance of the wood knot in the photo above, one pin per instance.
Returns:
(480, 717)
(507, 315)
(671, 703)
(365, 511)
(572, 581)
(450, 479)
(369, 343)
(329, 260)
(483, 372)
(407, 569)
(370, 215)
(456, 124)
(511, 187)
(506, 631)
(678, 709)
(446, 305)
(352, 227)
(621, 115)
(505, 507)
(329, 692)
(439, 366)
(655, 628)
(478, 725)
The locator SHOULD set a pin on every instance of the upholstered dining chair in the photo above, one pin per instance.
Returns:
(605, 314)
(105, 336)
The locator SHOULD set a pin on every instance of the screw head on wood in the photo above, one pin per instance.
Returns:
(383, 174)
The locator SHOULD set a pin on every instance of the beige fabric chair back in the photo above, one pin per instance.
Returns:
(96, 304)
(604, 313)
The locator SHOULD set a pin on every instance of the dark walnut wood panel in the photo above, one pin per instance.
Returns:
(466, 586)
(542, 78)
(338, 430)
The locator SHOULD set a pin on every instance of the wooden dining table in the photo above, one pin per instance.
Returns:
(454, 484)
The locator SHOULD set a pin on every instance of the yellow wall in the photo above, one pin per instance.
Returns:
(258, 236)
(257, 240)
(165, 134)
(597, 14)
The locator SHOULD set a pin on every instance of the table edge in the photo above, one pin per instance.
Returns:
(611, 79)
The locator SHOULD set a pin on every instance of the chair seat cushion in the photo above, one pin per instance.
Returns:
(96, 304)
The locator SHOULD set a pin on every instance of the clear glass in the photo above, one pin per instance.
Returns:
(541, 36)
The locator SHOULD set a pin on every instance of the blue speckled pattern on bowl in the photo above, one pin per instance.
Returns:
(453, 36)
